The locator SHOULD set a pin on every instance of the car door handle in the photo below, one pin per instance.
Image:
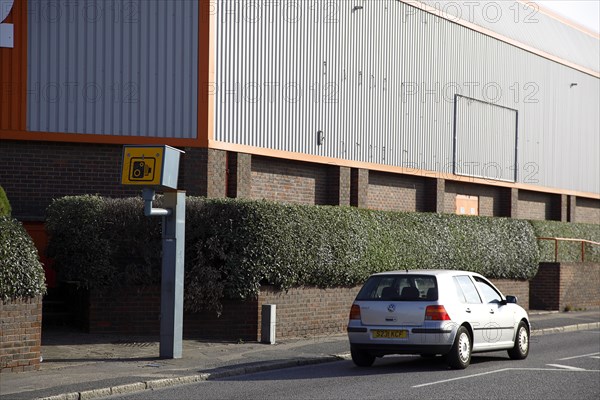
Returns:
(468, 310)
(491, 311)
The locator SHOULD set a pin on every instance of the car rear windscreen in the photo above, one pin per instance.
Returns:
(400, 288)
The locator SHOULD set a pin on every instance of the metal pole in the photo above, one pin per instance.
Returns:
(171, 296)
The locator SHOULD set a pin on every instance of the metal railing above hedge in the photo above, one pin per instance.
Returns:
(557, 240)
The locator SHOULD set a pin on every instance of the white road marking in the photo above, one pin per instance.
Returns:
(598, 357)
(585, 355)
(561, 369)
(566, 367)
(461, 377)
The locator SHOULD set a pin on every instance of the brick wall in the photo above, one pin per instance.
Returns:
(306, 311)
(290, 181)
(539, 206)
(587, 211)
(544, 288)
(131, 310)
(435, 192)
(238, 320)
(512, 287)
(203, 172)
(300, 312)
(579, 285)
(394, 192)
(136, 311)
(493, 201)
(309, 311)
(195, 166)
(33, 173)
(20, 334)
(339, 186)
(558, 285)
(359, 187)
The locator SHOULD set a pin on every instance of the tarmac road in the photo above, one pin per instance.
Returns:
(559, 366)
(80, 366)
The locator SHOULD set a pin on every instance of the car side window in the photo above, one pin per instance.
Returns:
(468, 289)
(490, 295)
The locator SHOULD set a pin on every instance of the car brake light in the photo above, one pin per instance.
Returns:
(355, 311)
(436, 313)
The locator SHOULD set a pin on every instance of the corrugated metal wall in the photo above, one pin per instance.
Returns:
(484, 131)
(113, 67)
(525, 23)
(376, 80)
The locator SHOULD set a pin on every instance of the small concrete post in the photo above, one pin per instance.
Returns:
(268, 324)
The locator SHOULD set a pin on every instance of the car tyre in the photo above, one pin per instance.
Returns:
(520, 350)
(460, 354)
(361, 358)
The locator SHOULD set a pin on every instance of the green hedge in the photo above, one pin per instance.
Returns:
(234, 246)
(101, 242)
(21, 273)
(5, 209)
(568, 251)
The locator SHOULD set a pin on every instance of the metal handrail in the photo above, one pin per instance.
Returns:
(556, 240)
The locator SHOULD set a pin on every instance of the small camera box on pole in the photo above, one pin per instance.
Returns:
(151, 166)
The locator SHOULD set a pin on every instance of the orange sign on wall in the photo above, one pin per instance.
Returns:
(467, 205)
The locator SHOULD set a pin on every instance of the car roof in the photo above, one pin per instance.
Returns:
(435, 272)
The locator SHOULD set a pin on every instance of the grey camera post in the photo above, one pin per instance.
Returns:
(157, 167)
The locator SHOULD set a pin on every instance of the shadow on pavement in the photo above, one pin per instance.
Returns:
(386, 365)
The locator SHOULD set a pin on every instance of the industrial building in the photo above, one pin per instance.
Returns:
(487, 108)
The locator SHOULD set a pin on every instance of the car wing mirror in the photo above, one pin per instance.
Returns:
(511, 299)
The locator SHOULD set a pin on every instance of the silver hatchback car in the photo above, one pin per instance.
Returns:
(431, 312)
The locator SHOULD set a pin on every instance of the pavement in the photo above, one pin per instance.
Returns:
(79, 366)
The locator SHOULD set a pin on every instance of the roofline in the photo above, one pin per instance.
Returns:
(562, 19)
(440, 13)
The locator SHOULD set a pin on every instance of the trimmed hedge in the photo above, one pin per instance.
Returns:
(21, 273)
(234, 246)
(567, 251)
(100, 242)
(5, 209)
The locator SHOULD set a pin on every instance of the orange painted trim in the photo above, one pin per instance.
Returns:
(94, 139)
(561, 19)
(204, 52)
(390, 168)
(23, 49)
(495, 35)
(13, 71)
(212, 76)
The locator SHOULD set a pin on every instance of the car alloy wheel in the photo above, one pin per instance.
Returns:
(460, 354)
(520, 350)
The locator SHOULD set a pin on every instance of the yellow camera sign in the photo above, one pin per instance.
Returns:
(151, 166)
(142, 169)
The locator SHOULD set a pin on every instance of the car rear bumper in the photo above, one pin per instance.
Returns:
(380, 350)
(433, 337)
